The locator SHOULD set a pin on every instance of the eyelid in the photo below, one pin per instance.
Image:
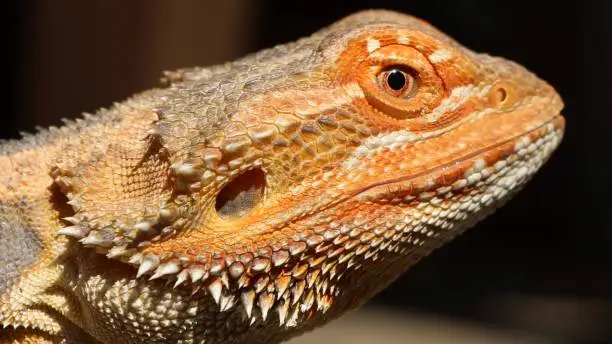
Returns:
(430, 88)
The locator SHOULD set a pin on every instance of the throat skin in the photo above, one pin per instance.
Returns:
(252, 201)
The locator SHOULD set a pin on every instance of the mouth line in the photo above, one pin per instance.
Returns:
(466, 157)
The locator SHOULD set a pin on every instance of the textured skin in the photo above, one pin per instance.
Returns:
(251, 201)
(19, 246)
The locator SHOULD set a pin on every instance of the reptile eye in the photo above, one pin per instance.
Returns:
(398, 82)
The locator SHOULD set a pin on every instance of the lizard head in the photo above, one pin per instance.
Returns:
(304, 178)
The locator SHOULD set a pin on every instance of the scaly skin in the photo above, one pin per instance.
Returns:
(252, 201)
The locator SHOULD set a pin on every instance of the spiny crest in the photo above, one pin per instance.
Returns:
(293, 284)
(122, 202)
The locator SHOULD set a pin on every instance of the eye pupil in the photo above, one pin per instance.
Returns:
(396, 79)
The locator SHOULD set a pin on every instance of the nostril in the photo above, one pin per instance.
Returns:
(501, 95)
(242, 194)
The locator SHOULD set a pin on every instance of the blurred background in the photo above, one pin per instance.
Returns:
(538, 271)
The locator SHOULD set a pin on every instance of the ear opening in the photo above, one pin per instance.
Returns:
(241, 195)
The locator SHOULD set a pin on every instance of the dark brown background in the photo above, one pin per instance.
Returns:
(543, 264)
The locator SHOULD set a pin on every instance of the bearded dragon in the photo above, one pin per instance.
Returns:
(251, 201)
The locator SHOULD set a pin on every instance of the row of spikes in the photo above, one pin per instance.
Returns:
(121, 240)
(68, 128)
(293, 286)
(293, 295)
(310, 282)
